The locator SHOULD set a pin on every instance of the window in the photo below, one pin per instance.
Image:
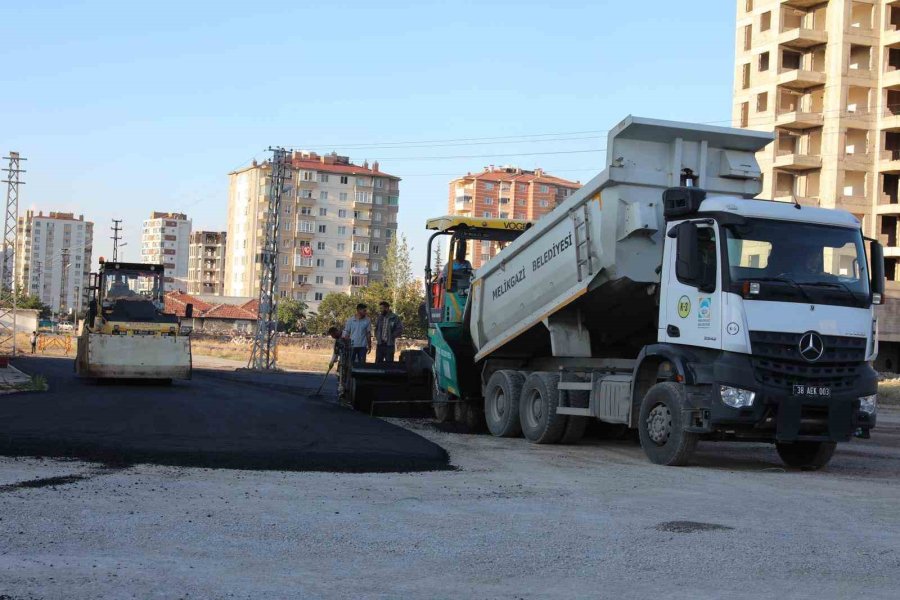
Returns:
(379, 183)
(361, 247)
(485, 257)
(342, 247)
(376, 266)
(488, 185)
(323, 212)
(705, 271)
(339, 264)
(342, 213)
(306, 193)
(376, 233)
(488, 200)
(376, 249)
(363, 197)
(323, 195)
(748, 6)
(376, 216)
(318, 296)
(320, 245)
(342, 230)
(338, 281)
(745, 76)
(748, 37)
(379, 199)
(388, 233)
(745, 114)
(765, 21)
(323, 177)
(523, 188)
(486, 214)
(306, 175)
(320, 279)
(343, 196)
(305, 210)
(762, 102)
(320, 262)
(504, 200)
(322, 228)
(520, 203)
(763, 62)
(344, 179)
(362, 181)
(306, 226)
(393, 200)
(544, 204)
(504, 215)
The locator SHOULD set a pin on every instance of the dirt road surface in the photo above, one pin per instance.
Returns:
(512, 521)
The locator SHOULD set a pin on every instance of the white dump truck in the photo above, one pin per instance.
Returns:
(662, 297)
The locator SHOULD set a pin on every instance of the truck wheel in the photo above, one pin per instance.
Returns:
(809, 456)
(537, 409)
(501, 403)
(661, 428)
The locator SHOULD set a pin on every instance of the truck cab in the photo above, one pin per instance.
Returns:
(773, 304)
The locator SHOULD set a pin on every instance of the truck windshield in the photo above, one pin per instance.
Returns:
(806, 262)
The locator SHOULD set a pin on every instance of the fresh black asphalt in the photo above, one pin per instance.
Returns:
(216, 420)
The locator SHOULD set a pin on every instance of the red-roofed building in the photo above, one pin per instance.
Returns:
(505, 193)
(214, 318)
(337, 220)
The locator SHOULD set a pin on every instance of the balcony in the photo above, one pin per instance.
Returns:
(800, 3)
(890, 161)
(891, 120)
(800, 79)
(891, 79)
(793, 161)
(799, 119)
(887, 208)
(803, 38)
(854, 204)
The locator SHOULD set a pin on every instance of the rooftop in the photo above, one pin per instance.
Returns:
(328, 163)
(518, 175)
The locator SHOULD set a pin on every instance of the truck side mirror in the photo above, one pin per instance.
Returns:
(877, 252)
(687, 259)
(188, 311)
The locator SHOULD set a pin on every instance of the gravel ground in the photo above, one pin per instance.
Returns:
(513, 521)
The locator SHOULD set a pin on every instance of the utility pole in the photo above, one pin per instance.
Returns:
(265, 343)
(115, 238)
(64, 283)
(8, 300)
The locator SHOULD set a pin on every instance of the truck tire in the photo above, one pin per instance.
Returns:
(661, 428)
(501, 403)
(537, 409)
(809, 456)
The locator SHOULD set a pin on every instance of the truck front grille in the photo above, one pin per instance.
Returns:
(777, 361)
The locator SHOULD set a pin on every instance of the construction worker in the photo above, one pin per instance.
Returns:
(340, 356)
(358, 333)
(388, 328)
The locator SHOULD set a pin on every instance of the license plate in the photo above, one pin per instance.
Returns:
(812, 391)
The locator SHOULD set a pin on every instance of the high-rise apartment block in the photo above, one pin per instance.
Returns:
(53, 258)
(206, 263)
(825, 77)
(505, 193)
(337, 219)
(165, 241)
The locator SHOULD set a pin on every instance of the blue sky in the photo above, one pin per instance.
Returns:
(122, 108)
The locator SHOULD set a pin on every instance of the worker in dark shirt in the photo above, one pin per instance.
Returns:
(340, 355)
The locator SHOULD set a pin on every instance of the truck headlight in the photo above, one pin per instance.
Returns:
(736, 397)
(868, 404)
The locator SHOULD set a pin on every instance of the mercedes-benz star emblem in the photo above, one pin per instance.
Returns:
(811, 346)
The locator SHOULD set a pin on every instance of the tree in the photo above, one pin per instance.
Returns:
(290, 314)
(398, 287)
(438, 258)
(334, 310)
(29, 301)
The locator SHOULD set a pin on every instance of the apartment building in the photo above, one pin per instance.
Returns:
(206, 263)
(165, 240)
(505, 193)
(53, 258)
(337, 219)
(825, 76)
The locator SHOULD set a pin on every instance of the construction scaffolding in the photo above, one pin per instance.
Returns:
(265, 342)
(8, 299)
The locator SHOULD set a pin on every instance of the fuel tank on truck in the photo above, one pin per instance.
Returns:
(593, 263)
